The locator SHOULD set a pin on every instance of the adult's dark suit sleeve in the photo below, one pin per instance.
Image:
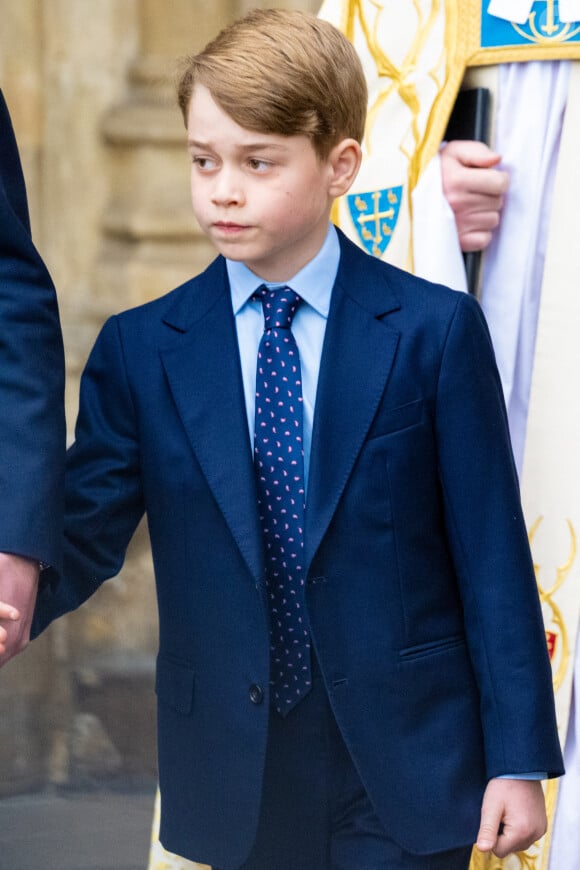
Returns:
(32, 423)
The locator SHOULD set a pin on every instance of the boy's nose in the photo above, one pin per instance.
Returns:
(228, 189)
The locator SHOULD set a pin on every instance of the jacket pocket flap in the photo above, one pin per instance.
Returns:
(391, 420)
(433, 647)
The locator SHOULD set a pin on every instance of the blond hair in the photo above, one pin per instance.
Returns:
(284, 72)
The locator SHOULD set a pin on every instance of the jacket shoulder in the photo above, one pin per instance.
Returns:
(182, 305)
(414, 296)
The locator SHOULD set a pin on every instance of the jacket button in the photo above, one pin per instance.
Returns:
(256, 694)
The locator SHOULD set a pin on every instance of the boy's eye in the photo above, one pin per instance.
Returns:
(203, 162)
(258, 165)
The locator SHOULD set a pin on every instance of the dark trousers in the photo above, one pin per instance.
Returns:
(315, 812)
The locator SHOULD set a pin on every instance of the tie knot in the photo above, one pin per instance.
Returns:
(279, 304)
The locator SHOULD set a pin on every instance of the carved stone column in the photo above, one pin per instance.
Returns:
(151, 242)
(60, 63)
(307, 5)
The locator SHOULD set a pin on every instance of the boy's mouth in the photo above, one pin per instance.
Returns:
(229, 226)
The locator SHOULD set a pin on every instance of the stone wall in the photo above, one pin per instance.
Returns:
(90, 89)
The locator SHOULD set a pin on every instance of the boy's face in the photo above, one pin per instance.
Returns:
(261, 198)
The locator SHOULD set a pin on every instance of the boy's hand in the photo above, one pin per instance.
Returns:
(518, 806)
(18, 588)
(474, 190)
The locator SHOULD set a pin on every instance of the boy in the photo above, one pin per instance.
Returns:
(340, 677)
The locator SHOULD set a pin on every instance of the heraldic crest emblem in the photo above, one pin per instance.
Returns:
(374, 215)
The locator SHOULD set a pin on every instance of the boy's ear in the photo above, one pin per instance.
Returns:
(344, 161)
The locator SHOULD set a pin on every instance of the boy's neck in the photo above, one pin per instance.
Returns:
(285, 273)
(314, 281)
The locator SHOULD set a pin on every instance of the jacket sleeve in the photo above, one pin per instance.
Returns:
(103, 491)
(32, 422)
(490, 549)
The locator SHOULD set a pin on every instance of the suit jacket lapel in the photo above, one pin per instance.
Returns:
(359, 349)
(204, 374)
(203, 369)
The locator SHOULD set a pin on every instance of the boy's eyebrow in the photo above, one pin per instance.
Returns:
(249, 146)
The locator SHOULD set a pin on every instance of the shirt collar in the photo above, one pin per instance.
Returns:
(313, 283)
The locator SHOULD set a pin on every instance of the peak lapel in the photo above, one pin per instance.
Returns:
(204, 375)
(358, 354)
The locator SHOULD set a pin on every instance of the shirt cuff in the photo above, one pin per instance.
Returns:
(535, 774)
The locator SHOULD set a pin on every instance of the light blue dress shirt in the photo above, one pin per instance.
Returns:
(314, 285)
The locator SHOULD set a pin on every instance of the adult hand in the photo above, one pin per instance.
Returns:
(10, 613)
(18, 588)
(517, 808)
(474, 189)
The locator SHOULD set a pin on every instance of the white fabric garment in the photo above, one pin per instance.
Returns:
(436, 251)
(510, 10)
(565, 849)
(530, 106)
(519, 10)
(530, 109)
(569, 11)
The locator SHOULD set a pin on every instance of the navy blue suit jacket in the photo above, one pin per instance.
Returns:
(421, 592)
(32, 424)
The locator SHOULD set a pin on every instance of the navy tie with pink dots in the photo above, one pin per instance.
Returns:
(279, 465)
